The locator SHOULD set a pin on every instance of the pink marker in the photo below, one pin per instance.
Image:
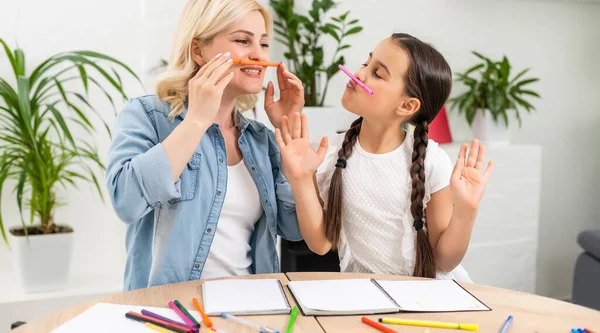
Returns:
(355, 79)
(181, 315)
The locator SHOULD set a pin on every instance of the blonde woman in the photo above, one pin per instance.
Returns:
(198, 184)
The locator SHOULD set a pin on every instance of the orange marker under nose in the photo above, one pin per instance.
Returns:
(256, 63)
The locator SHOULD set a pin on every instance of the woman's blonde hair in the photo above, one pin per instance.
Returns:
(201, 20)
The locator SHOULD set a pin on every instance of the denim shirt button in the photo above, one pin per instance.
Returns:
(197, 265)
(219, 193)
(267, 201)
(208, 230)
(253, 168)
(221, 160)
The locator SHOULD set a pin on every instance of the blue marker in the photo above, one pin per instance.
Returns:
(506, 324)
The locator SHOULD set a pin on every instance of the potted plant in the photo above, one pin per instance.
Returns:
(302, 37)
(493, 100)
(39, 112)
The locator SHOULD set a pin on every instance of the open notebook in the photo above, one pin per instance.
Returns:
(370, 296)
(244, 297)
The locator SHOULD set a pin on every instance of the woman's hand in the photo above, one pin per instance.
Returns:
(298, 160)
(291, 96)
(468, 179)
(205, 90)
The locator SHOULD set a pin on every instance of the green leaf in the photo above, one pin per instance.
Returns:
(353, 31)
(472, 69)
(525, 82)
(9, 55)
(504, 69)
(489, 62)
(343, 17)
(505, 117)
(20, 62)
(3, 177)
(470, 115)
(333, 26)
(518, 116)
(83, 75)
(318, 57)
(83, 100)
(110, 59)
(331, 32)
(528, 92)
(108, 77)
(353, 22)
(20, 188)
(523, 103)
(61, 121)
(519, 75)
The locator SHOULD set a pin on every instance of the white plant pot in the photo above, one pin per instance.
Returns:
(42, 262)
(488, 131)
(327, 121)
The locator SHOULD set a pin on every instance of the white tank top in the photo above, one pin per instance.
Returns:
(230, 250)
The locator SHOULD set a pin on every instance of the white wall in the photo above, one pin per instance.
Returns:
(44, 28)
(559, 39)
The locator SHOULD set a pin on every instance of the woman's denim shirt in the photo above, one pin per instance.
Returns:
(171, 225)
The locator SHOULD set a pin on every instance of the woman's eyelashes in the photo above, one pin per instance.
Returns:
(246, 42)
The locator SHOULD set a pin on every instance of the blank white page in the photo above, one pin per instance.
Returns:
(105, 317)
(244, 296)
(431, 295)
(341, 296)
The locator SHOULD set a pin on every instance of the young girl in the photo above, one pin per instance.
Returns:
(388, 201)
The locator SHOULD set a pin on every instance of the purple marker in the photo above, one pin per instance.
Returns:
(157, 316)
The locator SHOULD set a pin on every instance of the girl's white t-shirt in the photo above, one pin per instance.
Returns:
(377, 225)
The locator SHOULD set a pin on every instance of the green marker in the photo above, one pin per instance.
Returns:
(292, 319)
(185, 312)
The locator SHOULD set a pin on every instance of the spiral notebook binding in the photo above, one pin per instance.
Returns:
(385, 292)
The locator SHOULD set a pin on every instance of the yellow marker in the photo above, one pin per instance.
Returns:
(158, 328)
(425, 323)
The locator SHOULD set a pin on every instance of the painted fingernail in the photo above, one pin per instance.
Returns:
(218, 55)
(231, 73)
(227, 54)
(229, 60)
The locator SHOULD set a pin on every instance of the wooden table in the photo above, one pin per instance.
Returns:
(531, 313)
(160, 296)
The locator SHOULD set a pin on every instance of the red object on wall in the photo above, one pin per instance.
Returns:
(439, 130)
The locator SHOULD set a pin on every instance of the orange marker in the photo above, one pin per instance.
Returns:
(257, 63)
(205, 318)
(377, 325)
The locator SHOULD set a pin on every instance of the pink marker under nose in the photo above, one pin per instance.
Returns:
(355, 79)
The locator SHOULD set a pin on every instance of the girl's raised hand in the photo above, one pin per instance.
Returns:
(468, 178)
